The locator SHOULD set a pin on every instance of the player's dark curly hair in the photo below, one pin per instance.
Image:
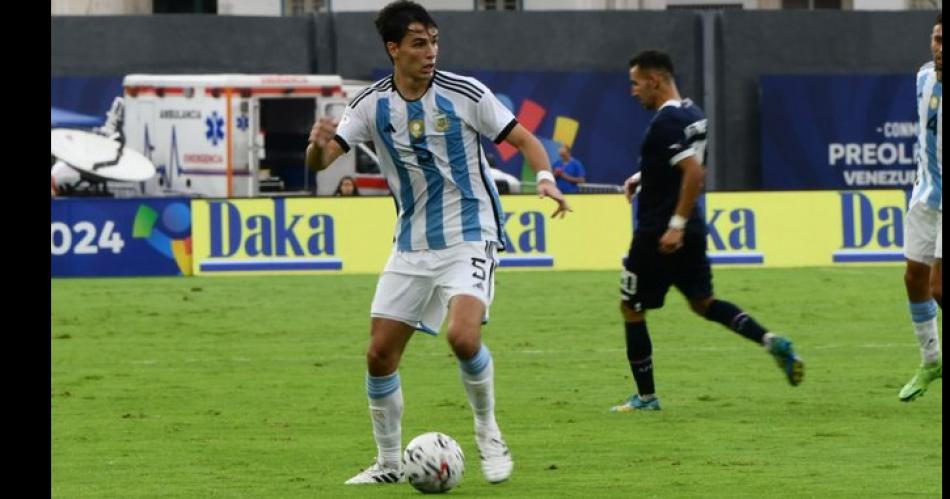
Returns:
(393, 21)
(653, 59)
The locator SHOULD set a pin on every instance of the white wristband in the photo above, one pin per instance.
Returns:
(677, 222)
(545, 175)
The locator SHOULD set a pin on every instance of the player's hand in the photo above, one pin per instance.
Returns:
(558, 172)
(631, 186)
(323, 131)
(546, 188)
(671, 241)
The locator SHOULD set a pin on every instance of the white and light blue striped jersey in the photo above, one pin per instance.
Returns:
(431, 155)
(928, 188)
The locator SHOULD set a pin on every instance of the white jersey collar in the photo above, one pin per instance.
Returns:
(671, 102)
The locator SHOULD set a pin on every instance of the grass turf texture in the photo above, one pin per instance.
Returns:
(253, 387)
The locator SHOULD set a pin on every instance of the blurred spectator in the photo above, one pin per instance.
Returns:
(569, 171)
(347, 187)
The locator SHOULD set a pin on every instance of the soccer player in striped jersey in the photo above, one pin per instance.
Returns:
(669, 243)
(923, 232)
(426, 126)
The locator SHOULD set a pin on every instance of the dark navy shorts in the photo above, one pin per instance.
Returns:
(648, 274)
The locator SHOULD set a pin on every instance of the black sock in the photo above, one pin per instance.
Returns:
(735, 319)
(640, 356)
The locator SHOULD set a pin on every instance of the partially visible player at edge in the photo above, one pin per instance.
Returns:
(923, 224)
(426, 126)
(669, 242)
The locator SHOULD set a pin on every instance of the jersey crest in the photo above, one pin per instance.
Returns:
(417, 128)
(441, 123)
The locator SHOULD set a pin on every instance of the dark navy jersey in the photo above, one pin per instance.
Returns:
(677, 131)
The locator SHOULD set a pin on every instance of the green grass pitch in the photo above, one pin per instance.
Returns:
(253, 387)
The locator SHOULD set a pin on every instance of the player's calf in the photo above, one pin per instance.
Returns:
(735, 319)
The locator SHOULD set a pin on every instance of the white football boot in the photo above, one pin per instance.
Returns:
(496, 459)
(378, 473)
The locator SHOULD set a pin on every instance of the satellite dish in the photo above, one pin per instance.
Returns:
(98, 157)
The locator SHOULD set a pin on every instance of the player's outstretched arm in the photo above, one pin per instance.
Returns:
(533, 151)
(322, 150)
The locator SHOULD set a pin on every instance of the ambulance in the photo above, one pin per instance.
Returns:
(239, 135)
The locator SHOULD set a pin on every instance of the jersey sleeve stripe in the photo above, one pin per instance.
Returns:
(342, 142)
(457, 90)
(505, 131)
(682, 155)
(359, 98)
(698, 136)
(460, 82)
(380, 86)
(361, 94)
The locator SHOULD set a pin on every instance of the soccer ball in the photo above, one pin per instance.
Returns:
(433, 462)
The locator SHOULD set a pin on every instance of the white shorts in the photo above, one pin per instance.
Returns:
(416, 286)
(923, 234)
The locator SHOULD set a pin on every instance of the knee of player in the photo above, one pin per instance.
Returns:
(630, 314)
(464, 342)
(381, 357)
(700, 305)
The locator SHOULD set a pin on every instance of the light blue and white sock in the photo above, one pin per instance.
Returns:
(924, 315)
(385, 409)
(478, 377)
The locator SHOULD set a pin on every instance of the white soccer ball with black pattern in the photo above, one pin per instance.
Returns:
(433, 462)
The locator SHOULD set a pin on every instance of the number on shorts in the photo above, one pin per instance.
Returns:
(628, 283)
(479, 264)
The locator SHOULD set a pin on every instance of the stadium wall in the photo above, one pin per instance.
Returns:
(536, 41)
(754, 43)
(178, 44)
(744, 46)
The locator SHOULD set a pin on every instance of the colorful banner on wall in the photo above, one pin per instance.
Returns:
(120, 237)
(838, 132)
(796, 229)
(354, 235)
